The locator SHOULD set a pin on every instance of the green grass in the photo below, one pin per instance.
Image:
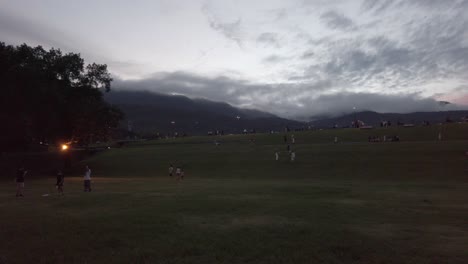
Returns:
(351, 202)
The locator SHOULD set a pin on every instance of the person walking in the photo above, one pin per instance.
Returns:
(20, 175)
(87, 179)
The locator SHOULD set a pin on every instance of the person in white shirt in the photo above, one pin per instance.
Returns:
(177, 172)
(293, 156)
(171, 169)
(87, 179)
(276, 155)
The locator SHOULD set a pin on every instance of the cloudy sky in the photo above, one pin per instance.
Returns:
(295, 58)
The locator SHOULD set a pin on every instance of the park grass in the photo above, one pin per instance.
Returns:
(351, 202)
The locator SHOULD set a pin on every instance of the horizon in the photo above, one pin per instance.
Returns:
(129, 93)
(296, 60)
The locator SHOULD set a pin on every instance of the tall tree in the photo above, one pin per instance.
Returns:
(51, 96)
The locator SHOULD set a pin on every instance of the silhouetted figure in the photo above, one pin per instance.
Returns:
(20, 175)
(60, 181)
(87, 179)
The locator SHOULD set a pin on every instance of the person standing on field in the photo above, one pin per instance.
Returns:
(20, 174)
(293, 155)
(177, 172)
(171, 170)
(276, 155)
(87, 179)
(60, 180)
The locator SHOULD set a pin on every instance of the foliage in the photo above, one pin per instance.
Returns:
(51, 96)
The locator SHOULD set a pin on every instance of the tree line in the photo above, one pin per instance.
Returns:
(50, 96)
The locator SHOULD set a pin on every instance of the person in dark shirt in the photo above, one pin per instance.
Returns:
(60, 180)
(20, 174)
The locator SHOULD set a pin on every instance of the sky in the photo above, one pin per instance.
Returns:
(297, 58)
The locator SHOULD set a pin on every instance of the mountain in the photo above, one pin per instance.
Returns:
(148, 113)
(374, 119)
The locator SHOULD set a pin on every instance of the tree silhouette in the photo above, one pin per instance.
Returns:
(50, 96)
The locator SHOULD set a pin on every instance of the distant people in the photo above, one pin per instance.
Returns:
(87, 179)
(177, 172)
(336, 140)
(276, 155)
(20, 175)
(60, 181)
(293, 155)
(293, 140)
(171, 170)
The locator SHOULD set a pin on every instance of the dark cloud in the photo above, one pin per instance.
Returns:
(275, 59)
(307, 55)
(378, 6)
(430, 49)
(218, 89)
(230, 30)
(335, 20)
(269, 39)
(298, 101)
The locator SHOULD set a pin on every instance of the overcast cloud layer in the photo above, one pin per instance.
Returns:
(296, 59)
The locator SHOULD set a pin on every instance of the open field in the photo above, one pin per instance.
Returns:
(351, 202)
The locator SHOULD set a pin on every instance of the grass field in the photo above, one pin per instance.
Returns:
(351, 202)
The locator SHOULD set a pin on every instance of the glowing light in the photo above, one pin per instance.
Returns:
(64, 147)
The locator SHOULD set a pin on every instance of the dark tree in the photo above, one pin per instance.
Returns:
(49, 96)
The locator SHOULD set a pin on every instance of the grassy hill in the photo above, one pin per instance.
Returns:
(349, 202)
